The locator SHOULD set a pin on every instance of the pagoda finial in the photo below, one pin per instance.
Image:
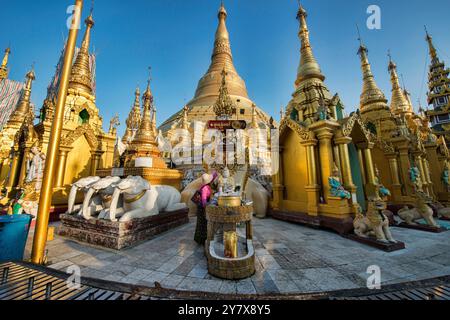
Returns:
(371, 93)
(81, 77)
(432, 48)
(23, 106)
(399, 102)
(4, 67)
(145, 134)
(309, 68)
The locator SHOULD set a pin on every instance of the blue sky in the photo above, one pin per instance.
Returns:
(176, 38)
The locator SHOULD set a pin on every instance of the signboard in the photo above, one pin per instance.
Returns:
(223, 125)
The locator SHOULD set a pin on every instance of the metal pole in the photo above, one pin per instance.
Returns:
(45, 200)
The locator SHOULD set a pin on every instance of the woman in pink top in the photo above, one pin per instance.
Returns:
(203, 196)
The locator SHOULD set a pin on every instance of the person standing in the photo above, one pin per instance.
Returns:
(201, 198)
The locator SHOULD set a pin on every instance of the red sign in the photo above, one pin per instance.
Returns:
(223, 125)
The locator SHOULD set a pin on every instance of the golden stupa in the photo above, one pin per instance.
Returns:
(201, 107)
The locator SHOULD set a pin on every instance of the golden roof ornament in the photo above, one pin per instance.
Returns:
(224, 107)
(309, 68)
(4, 67)
(432, 48)
(23, 106)
(254, 124)
(145, 134)
(81, 77)
(134, 118)
(371, 93)
(399, 103)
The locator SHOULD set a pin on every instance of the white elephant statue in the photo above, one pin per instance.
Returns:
(254, 191)
(99, 196)
(80, 185)
(141, 200)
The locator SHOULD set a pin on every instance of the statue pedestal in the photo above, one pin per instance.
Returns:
(385, 246)
(119, 235)
(421, 227)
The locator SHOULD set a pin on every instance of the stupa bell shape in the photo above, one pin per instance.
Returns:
(222, 58)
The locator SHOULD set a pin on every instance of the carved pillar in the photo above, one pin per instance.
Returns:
(343, 143)
(62, 163)
(95, 162)
(278, 187)
(23, 167)
(435, 169)
(312, 189)
(426, 168)
(370, 170)
(362, 166)
(13, 170)
(405, 165)
(423, 178)
(326, 158)
(396, 184)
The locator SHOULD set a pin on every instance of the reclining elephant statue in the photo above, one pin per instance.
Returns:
(421, 211)
(141, 200)
(82, 184)
(374, 223)
(99, 196)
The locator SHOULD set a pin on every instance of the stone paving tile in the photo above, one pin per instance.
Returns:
(306, 286)
(171, 264)
(172, 281)
(199, 271)
(265, 286)
(228, 287)
(286, 286)
(61, 265)
(245, 287)
(140, 274)
(279, 275)
(155, 276)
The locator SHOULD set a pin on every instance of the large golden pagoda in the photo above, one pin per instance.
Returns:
(326, 167)
(85, 146)
(201, 107)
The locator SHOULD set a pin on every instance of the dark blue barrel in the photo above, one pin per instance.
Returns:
(13, 236)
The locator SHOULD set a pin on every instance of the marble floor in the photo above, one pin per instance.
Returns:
(290, 259)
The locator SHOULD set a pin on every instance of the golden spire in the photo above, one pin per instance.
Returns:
(81, 77)
(309, 68)
(433, 52)
(399, 103)
(154, 127)
(371, 93)
(4, 67)
(224, 107)
(23, 106)
(145, 134)
(134, 118)
(221, 59)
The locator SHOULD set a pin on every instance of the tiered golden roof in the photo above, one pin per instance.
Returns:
(134, 119)
(81, 77)
(308, 68)
(399, 102)
(24, 106)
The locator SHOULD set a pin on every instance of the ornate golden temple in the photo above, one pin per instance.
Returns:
(85, 147)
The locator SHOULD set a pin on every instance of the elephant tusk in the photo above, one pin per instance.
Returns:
(114, 202)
